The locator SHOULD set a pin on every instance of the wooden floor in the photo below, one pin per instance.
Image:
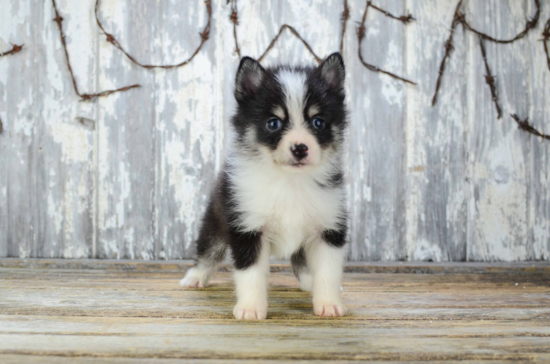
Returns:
(131, 313)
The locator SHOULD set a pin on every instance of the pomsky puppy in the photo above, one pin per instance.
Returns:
(281, 190)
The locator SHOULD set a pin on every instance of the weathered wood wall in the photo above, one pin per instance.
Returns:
(127, 176)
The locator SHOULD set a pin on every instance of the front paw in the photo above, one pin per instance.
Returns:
(329, 309)
(250, 312)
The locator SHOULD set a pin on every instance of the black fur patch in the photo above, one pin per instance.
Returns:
(210, 246)
(245, 248)
(330, 102)
(336, 238)
(298, 261)
(334, 181)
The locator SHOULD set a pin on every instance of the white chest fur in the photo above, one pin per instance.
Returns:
(290, 209)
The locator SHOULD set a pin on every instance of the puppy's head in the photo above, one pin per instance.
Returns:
(292, 117)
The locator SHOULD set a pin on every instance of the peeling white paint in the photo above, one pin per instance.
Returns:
(426, 251)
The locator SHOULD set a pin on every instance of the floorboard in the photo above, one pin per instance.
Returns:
(122, 315)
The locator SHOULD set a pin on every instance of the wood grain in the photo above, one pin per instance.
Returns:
(436, 200)
(61, 314)
(499, 156)
(377, 104)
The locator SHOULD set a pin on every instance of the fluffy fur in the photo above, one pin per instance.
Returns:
(280, 193)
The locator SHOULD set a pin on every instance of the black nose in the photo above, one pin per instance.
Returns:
(299, 151)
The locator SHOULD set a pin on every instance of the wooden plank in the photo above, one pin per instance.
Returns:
(499, 156)
(171, 339)
(394, 317)
(538, 83)
(47, 189)
(377, 145)
(189, 129)
(63, 144)
(537, 268)
(16, 142)
(369, 297)
(125, 144)
(14, 359)
(436, 153)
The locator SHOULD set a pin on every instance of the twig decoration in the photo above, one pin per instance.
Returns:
(234, 17)
(344, 19)
(85, 97)
(448, 49)
(460, 18)
(405, 19)
(531, 23)
(15, 49)
(295, 32)
(489, 78)
(205, 34)
(525, 126)
(545, 39)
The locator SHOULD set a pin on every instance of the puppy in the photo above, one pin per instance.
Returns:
(281, 191)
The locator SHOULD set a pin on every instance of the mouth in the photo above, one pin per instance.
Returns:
(292, 164)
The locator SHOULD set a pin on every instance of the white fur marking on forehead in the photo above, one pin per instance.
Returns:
(294, 88)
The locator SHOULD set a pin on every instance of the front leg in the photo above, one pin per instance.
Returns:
(251, 259)
(326, 258)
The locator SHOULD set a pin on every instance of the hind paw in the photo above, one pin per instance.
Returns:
(195, 278)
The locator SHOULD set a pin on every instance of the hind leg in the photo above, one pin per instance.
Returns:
(199, 275)
(210, 251)
(301, 271)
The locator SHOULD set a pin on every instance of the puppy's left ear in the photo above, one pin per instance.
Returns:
(333, 72)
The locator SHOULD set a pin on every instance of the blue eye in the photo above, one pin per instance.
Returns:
(318, 123)
(274, 124)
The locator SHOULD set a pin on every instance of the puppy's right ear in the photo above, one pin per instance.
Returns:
(249, 78)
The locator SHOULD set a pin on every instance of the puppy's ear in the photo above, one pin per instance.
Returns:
(249, 78)
(333, 72)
